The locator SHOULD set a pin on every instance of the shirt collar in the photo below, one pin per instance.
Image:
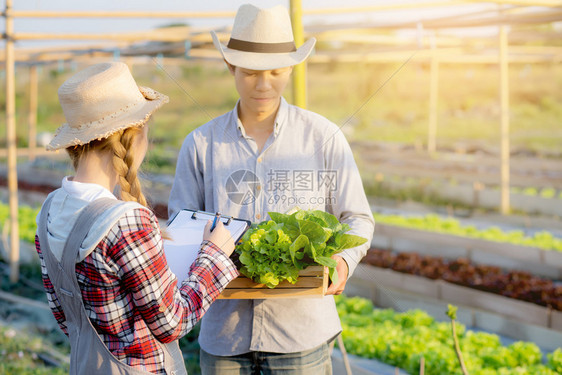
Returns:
(279, 118)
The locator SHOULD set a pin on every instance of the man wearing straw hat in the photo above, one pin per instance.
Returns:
(267, 155)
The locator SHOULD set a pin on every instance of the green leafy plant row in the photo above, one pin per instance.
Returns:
(26, 220)
(547, 193)
(277, 249)
(431, 222)
(402, 339)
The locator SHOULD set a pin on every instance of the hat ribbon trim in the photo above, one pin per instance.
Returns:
(245, 46)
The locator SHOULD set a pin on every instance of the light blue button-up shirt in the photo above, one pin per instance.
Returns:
(307, 163)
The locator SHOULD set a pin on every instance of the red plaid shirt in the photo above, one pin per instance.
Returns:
(132, 297)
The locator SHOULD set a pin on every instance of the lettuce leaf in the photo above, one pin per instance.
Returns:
(277, 249)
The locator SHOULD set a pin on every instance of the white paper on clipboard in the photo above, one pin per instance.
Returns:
(186, 232)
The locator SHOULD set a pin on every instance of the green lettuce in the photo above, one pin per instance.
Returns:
(277, 249)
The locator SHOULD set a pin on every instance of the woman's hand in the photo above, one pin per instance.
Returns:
(220, 237)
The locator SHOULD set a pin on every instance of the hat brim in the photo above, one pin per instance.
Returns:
(263, 61)
(68, 136)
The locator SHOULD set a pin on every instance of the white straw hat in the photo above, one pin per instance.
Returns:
(262, 39)
(101, 100)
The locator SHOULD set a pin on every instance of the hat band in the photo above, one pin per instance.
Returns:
(242, 45)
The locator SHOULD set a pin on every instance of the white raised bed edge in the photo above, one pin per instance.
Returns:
(367, 277)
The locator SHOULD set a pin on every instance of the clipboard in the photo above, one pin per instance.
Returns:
(186, 232)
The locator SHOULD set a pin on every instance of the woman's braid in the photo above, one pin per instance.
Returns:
(120, 146)
(123, 162)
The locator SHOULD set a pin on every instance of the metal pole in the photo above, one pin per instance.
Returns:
(299, 71)
(504, 121)
(11, 145)
(344, 355)
(433, 92)
(32, 114)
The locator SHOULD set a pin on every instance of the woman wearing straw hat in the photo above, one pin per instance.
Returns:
(104, 270)
(266, 155)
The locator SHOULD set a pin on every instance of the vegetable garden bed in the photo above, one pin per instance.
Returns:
(522, 311)
(514, 284)
(402, 339)
(481, 251)
(487, 311)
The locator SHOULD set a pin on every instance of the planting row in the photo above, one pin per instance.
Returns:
(26, 220)
(402, 339)
(433, 223)
(514, 284)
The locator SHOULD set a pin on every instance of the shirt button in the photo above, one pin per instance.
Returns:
(258, 187)
(259, 160)
(258, 216)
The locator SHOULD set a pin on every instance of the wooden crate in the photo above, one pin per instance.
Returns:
(312, 282)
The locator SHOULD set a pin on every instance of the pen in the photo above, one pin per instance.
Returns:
(217, 217)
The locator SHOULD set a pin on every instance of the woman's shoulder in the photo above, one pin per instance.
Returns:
(123, 218)
(133, 239)
(134, 217)
(135, 224)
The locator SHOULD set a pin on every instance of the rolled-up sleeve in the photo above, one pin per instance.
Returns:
(169, 311)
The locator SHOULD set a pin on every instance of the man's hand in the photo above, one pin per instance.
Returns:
(343, 270)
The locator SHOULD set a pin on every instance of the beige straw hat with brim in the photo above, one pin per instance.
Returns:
(101, 100)
(262, 39)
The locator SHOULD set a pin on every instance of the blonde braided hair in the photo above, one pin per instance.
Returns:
(123, 162)
(120, 145)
